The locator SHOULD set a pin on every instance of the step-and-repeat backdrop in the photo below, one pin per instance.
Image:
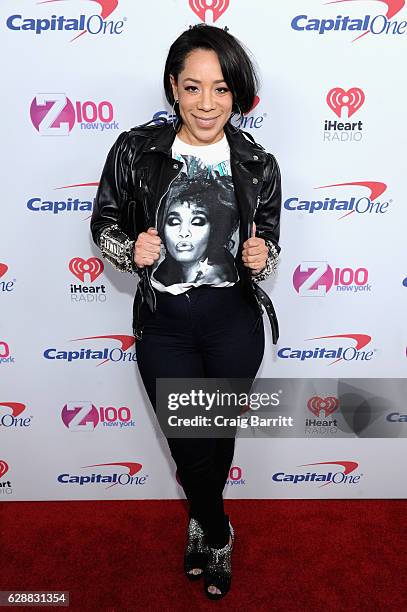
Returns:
(75, 422)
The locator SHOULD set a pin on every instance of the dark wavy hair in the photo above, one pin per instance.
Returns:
(237, 68)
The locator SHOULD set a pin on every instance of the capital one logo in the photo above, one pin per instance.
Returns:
(318, 404)
(316, 278)
(96, 24)
(345, 475)
(340, 100)
(11, 415)
(376, 25)
(93, 267)
(54, 114)
(209, 11)
(105, 354)
(5, 286)
(67, 204)
(129, 477)
(368, 204)
(343, 352)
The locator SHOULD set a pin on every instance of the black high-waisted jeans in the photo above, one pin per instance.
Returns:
(210, 332)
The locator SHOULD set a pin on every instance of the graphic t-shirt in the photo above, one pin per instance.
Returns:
(198, 221)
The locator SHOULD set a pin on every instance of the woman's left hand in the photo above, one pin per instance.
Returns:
(255, 252)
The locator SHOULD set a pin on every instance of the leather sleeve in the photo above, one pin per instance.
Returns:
(267, 217)
(111, 196)
(112, 192)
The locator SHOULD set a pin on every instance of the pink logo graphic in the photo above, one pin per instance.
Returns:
(132, 468)
(3, 468)
(348, 467)
(327, 405)
(393, 7)
(89, 416)
(15, 407)
(205, 9)
(316, 278)
(53, 114)
(3, 269)
(83, 416)
(339, 99)
(107, 8)
(4, 350)
(92, 266)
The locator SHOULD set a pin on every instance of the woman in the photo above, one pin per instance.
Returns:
(193, 326)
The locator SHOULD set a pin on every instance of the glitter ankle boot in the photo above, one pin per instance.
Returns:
(218, 572)
(196, 552)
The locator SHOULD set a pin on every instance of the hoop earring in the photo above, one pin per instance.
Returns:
(173, 113)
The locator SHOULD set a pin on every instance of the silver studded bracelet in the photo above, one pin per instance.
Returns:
(118, 249)
(271, 263)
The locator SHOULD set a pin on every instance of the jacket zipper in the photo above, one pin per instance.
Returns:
(254, 214)
(259, 304)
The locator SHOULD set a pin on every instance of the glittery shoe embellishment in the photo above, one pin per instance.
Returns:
(196, 552)
(218, 572)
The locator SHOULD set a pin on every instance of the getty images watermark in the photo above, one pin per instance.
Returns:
(282, 408)
(213, 407)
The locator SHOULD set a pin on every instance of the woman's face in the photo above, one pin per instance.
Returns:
(205, 101)
(186, 231)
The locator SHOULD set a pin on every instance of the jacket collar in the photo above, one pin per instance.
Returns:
(242, 146)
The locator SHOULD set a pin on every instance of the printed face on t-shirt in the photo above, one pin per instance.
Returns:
(198, 221)
(186, 231)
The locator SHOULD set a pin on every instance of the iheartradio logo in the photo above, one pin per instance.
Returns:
(327, 405)
(93, 267)
(3, 468)
(338, 99)
(209, 11)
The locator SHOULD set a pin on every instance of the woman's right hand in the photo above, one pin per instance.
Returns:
(147, 248)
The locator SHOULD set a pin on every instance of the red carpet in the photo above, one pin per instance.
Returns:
(297, 555)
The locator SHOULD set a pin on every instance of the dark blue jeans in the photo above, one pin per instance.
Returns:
(212, 332)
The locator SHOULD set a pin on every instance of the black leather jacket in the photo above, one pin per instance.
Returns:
(136, 177)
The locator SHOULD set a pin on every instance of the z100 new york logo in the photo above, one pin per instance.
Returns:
(6, 356)
(95, 24)
(54, 114)
(85, 416)
(317, 278)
